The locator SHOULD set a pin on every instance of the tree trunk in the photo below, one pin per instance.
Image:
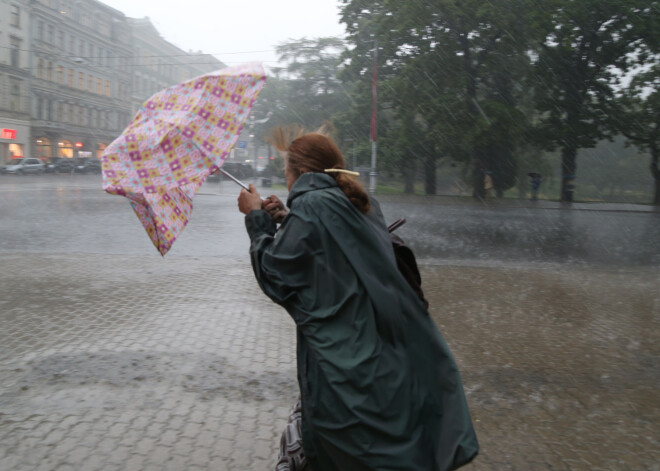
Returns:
(429, 174)
(409, 176)
(655, 171)
(568, 169)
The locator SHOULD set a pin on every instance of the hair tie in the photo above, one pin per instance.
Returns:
(342, 170)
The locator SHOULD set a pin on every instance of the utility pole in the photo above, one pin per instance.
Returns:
(374, 107)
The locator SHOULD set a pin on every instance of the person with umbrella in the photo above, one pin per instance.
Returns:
(379, 388)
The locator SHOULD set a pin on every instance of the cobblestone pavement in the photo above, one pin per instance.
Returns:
(137, 362)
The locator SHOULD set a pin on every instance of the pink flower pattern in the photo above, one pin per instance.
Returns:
(196, 122)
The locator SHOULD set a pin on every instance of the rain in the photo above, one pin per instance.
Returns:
(113, 356)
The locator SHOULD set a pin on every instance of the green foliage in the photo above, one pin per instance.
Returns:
(487, 86)
(314, 92)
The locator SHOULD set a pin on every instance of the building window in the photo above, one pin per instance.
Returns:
(40, 68)
(40, 30)
(99, 86)
(15, 52)
(90, 83)
(15, 16)
(103, 28)
(81, 81)
(107, 88)
(50, 71)
(14, 94)
(99, 149)
(60, 75)
(71, 83)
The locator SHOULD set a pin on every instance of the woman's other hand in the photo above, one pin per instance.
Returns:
(249, 200)
(274, 206)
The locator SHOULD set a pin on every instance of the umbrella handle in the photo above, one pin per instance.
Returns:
(236, 180)
(396, 224)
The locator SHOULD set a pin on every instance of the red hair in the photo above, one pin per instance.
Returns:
(316, 152)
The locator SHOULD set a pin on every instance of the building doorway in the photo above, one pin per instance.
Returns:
(44, 148)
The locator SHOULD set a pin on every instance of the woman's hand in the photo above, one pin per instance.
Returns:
(274, 206)
(249, 200)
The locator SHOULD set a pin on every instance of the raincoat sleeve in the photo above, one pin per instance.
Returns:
(279, 258)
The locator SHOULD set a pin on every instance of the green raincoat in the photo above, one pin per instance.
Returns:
(379, 387)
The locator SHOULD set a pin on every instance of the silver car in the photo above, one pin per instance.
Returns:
(24, 165)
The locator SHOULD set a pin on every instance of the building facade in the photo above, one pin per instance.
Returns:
(74, 72)
(14, 79)
(80, 57)
(158, 64)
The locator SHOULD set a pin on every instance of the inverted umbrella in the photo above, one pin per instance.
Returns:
(179, 137)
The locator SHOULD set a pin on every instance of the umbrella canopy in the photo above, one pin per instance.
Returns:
(178, 137)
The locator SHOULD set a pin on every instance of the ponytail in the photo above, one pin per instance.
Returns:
(354, 192)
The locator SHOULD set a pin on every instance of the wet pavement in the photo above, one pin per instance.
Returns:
(114, 358)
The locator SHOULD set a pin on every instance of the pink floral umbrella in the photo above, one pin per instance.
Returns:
(179, 137)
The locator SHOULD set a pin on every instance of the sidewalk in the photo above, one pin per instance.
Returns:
(228, 187)
(180, 363)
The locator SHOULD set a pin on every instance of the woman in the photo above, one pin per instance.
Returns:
(379, 387)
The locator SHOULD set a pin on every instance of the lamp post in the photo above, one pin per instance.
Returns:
(253, 141)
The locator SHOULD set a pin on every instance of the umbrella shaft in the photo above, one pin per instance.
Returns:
(236, 180)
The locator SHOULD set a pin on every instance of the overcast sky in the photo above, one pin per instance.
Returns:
(236, 31)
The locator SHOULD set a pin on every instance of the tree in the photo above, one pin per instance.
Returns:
(314, 92)
(589, 43)
(464, 59)
(639, 119)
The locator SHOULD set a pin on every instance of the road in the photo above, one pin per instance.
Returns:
(115, 358)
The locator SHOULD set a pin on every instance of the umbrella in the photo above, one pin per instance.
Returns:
(178, 137)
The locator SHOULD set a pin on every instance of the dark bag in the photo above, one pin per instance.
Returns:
(406, 261)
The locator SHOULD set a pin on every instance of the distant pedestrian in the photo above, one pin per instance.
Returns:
(537, 178)
(379, 388)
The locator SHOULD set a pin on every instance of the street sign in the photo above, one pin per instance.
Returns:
(241, 145)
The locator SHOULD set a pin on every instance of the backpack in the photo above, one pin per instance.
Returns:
(406, 261)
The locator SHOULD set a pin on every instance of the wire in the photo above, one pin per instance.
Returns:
(200, 54)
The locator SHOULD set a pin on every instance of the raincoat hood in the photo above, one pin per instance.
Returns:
(309, 181)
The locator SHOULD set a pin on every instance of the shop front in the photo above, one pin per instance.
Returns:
(49, 147)
(14, 139)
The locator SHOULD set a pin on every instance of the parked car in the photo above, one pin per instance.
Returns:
(23, 165)
(88, 166)
(64, 165)
(50, 166)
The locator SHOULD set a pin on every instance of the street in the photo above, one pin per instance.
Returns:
(115, 358)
